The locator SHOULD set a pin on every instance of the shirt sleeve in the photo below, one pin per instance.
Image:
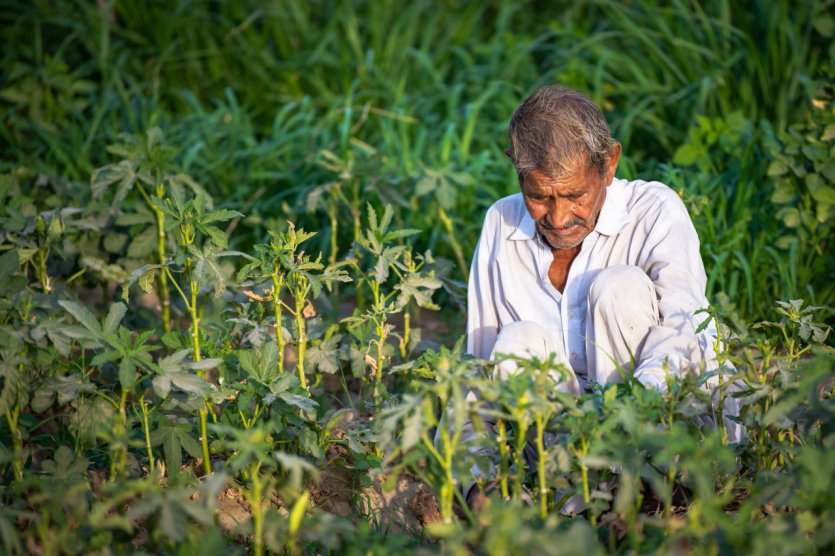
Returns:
(482, 319)
(672, 261)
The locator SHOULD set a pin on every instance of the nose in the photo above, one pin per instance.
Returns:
(559, 213)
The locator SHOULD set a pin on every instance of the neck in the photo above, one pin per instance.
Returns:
(565, 254)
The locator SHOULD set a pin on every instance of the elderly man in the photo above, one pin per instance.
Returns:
(603, 273)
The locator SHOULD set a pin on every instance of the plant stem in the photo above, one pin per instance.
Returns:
(720, 357)
(203, 413)
(381, 340)
(301, 346)
(447, 491)
(540, 447)
(119, 461)
(503, 459)
(278, 284)
(204, 440)
(380, 330)
(519, 457)
(164, 294)
(257, 510)
(671, 480)
(12, 417)
(585, 471)
(194, 290)
(43, 276)
(453, 241)
(332, 216)
(147, 429)
(404, 345)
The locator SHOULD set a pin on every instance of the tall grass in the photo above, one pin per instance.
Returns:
(255, 94)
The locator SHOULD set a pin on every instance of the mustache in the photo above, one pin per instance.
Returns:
(576, 222)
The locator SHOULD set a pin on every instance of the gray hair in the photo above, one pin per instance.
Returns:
(556, 128)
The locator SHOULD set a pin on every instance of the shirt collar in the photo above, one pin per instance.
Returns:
(613, 216)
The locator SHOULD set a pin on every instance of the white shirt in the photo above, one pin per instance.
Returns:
(643, 224)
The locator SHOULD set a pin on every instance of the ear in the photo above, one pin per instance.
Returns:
(612, 164)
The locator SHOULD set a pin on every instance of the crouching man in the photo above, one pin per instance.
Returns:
(603, 273)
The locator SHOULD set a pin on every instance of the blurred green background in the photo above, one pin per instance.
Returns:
(306, 110)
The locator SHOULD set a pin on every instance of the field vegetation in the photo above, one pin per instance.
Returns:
(234, 245)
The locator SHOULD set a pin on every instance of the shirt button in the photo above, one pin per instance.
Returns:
(574, 355)
(570, 315)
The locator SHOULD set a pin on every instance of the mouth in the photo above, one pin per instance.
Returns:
(568, 230)
(564, 231)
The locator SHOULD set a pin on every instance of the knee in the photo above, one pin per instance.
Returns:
(521, 338)
(621, 288)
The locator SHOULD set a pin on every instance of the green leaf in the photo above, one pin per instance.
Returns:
(144, 275)
(207, 267)
(296, 467)
(309, 443)
(412, 428)
(825, 194)
(174, 437)
(216, 236)
(777, 168)
(123, 172)
(189, 383)
(64, 466)
(221, 215)
(11, 387)
(83, 316)
(688, 154)
(64, 388)
(425, 185)
(381, 270)
(203, 364)
(824, 24)
(106, 356)
(56, 331)
(397, 234)
(446, 195)
(143, 243)
(127, 374)
(180, 182)
(114, 242)
(114, 317)
(305, 404)
(10, 534)
(325, 355)
(172, 520)
(419, 288)
(106, 272)
(790, 217)
(9, 264)
(783, 193)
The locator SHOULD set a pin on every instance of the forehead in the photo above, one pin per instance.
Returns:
(577, 179)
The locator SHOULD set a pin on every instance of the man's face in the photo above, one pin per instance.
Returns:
(566, 207)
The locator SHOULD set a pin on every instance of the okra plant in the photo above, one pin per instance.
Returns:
(289, 271)
(428, 430)
(146, 166)
(195, 263)
(385, 257)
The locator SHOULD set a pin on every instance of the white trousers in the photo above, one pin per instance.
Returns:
(622, 308)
